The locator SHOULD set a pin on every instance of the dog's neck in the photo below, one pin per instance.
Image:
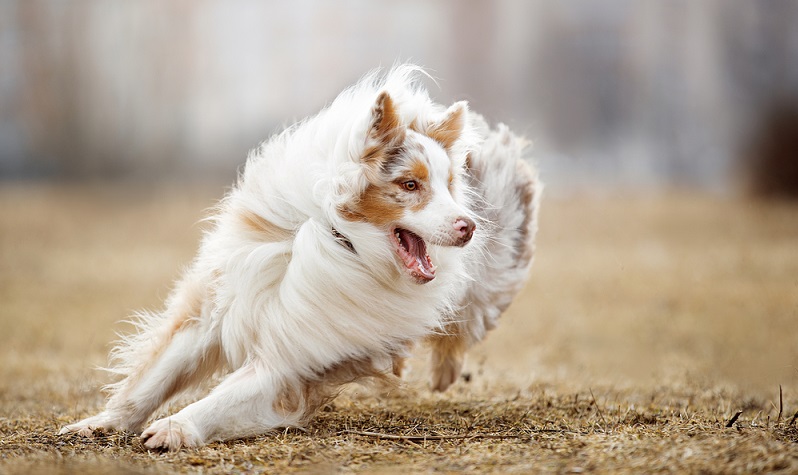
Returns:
(343, 240)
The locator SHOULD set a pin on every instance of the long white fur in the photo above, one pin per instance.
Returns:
(275, 314)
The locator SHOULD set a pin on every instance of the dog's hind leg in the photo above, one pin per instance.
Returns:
(172, 352)
(448, 356)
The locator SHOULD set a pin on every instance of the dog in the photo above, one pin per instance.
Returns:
(383, 221)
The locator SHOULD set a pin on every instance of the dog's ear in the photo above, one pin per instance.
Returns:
(386, 127)
(450, 128)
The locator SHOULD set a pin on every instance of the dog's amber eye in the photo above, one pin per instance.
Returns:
(410, 185)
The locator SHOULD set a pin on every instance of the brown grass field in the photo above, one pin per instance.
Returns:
(647, 324)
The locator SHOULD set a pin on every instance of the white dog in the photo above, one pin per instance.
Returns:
(383, 221)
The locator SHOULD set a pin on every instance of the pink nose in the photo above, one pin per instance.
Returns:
(464, 229)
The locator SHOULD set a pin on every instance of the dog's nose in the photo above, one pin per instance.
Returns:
(464, 229)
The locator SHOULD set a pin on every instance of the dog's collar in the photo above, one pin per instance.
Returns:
(342, 240)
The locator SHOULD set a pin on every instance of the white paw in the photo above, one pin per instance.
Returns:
(171, 433)
(87, 426)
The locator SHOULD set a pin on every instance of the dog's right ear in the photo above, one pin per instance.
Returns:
(449, 130)
(386, 132)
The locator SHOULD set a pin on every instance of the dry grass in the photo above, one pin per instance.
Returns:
(648, 324)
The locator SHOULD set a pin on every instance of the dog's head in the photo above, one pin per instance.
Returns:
(413, 191)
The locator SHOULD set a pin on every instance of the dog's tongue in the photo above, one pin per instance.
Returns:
(417, 259)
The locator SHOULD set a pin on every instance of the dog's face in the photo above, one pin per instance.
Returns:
(412, 185)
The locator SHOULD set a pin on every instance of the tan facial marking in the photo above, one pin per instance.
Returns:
(375, 206)
(419, 170)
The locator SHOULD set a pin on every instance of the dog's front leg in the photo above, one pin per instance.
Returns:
(181, 364)
(242, 405)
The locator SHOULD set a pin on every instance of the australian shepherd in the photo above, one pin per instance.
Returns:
(383, 221)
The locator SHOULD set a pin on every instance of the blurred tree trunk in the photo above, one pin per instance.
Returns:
(773, 153)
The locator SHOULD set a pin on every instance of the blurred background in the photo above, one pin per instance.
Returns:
(613, 93)
(666, 132)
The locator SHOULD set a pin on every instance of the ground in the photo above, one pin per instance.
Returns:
(648, 323)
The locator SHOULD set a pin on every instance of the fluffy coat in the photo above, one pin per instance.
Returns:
(383, 221)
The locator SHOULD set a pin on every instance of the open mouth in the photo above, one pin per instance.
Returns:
(412, 251)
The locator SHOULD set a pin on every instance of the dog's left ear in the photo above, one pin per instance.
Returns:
(450, 128)
(386, 128)
(385, 134)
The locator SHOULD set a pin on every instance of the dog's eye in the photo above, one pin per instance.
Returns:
(410, 185)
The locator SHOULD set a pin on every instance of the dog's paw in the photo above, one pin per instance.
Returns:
(445, 372)
(86, 427)
(171, 433)
(445, 375)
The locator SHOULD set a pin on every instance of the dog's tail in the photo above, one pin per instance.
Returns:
(507, 198)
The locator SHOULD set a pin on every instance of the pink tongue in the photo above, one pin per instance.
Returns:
(417, 248)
